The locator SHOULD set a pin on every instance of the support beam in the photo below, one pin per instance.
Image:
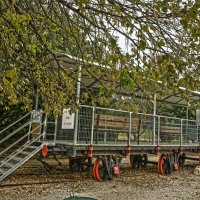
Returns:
(78, 90)
(37, 99)
(154, 120)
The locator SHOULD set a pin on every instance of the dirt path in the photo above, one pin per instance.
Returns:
(131, 184)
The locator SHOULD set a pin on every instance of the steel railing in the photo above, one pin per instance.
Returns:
(152, 129)
(116, 127)
(21, 139)
(14, 123)
(28, 123)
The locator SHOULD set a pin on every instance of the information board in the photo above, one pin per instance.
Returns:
(67, 119)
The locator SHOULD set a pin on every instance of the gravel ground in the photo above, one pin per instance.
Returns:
(140, 184)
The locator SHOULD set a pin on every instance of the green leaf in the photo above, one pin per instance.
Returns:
(161, 43)
(117, 8)
(142, 44)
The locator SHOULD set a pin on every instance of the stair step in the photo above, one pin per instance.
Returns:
(20, 151)
(32, 147)
(24, 152)
(2, 171)
(16, 158)
(7, 164)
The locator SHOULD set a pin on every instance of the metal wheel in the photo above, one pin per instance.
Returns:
(181, 159)
(78, 164)
(99, 171)
(117, 160)
(144, 160)
(135, 161)
(164, 164)
(115, 165)
(139, 161)
(106, 167)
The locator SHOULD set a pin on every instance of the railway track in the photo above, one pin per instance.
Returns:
(73, 176)
(36, 183)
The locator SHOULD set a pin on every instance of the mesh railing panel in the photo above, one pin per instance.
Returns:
(189, 132)
(63, 134)
(110, 126)
(143, 128)
(84, 125)
(170, 130)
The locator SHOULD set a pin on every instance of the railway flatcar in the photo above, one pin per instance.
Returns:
(99, 138)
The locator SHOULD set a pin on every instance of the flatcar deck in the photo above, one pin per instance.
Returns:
(108, 135)
(102, 127)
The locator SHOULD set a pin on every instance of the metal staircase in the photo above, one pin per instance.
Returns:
(17, 153)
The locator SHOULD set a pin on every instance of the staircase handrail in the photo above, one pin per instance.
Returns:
(9, 126)
(20, 128)
(22, 161)
(13, 144)
(22, 147)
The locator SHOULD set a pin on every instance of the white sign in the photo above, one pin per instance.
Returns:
(37, 116)
(67, 119)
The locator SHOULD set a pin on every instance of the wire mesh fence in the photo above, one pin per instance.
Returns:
(144, 129)
(170, 130)
(190, 133)
(96, 125)
(85, 124)
(110, 126)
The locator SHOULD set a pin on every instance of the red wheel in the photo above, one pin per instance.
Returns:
(98, 170)
(160, 164)
(164, 165)
(94, 169)
(45, 151)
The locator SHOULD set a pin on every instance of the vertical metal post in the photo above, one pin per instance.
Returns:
(37, 99)
(45, 127)
(198, 135)
(76, 127)
(198, 124)
(56, 126)
(92, 130)
(187, 111)
(129, 134)
(181, 139)
(158, 131)
(154, 120)
(187, 132)
(78, 89)
(29, 129)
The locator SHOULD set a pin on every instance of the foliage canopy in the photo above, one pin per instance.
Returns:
(139, 41)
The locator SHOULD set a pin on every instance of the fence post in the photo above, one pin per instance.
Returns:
(158, 139)
(56, 125)
(154, 120)
(181, 139)
(29, 130)
(154, 130)
(129, 134)
(78, 90)
(198, 134)
(92, 130)
(45, 128)
(76, 127)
